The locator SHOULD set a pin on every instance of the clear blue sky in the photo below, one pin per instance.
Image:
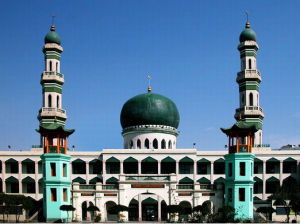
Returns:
(189, 48)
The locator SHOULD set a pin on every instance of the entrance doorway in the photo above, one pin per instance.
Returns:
(149, 210)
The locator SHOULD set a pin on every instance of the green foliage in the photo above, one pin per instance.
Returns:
(93, 208)
(67, 208)
(225, 214)
(206, 208)
(173, 209)
(119, 208)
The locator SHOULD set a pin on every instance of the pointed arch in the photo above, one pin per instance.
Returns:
(170, 144)
(131, 144)
(50, 66)
(138, 144)
(163, 144)
(250, 63)
(147, 144)
(49, 100)
(57, 101)
(250, 99)
(155, 144)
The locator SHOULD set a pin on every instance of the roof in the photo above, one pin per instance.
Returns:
(186, 180)
(247, 34)
(186, 160)
(203, 180)
(242, 127)
(149, 159)
(54, 128)
(168, 160)
(112, 180)
(52, 36)
(130, 160)
(79, 180)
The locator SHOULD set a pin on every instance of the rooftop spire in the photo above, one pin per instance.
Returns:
(247, 23)
(149, 81)
(52, 26)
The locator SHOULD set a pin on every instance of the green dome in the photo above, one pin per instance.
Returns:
(247, 34)
(52, 37)
(149, 109)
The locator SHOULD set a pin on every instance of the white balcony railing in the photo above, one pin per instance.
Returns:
(53, 109)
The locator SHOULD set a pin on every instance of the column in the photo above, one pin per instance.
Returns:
(195, 170)
(211, 171)
(140, 208)
(87, 172)
(3, 176)
(280, 171)
(103, 171)
(177, 167)
(139, 167)
(20, 177)
(264, 180)
(159, 167)
(36, 169)
(159, 208)
(121, 167)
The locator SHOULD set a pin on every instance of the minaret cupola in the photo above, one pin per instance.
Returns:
(149, 121)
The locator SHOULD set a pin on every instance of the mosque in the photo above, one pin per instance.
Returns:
(149, 172)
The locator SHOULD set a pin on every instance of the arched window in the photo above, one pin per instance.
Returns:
(250, 64)
(56, 67)
(155, 144)
(163, 144)
(50, 66)
(257, 101)
(57, 101)
(49, 100)
(138, 144)
(170, 144)
(147, 143)
(131, 144)
(251, 99)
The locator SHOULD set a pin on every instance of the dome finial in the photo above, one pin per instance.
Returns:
(149, 86)
(247, 23)
(52, 26)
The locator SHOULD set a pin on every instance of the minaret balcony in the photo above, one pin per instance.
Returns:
(53, 111)
(241, 148)
(249, 110)
(248, 74)
(52, 76)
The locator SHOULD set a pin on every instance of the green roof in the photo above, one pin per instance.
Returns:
(257, 160)
(290, 180)
(95, 180)
(242, 126)
(272, 179)
(27, 161)
(28, 180)
(203, 160)
(272, 160)
(186, 160)
(149, 109)
(112, 160)
(130, 178)
(221, 160)
(79, 180)
(11, 160)
(256, 179)
(290, 160)
(247, 34)
(203, 180)
(220, 180)
(168, 160)
(95, 161)
(112, 180)
(149, 160)
(54, 128)
(130, 160)
(186, 180)
(78, 161)
(149, 200)
(52, 37)
(134, 201)
(11, 179)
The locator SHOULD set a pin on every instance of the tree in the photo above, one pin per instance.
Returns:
(173, 211)
(67, 208)
(266, 210)
(93, 209)
(225, 214)
(206, 208)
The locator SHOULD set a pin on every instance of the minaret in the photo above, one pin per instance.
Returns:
(55, 161)
(249, 79)
(52, 81)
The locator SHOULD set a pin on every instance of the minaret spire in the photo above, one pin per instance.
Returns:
(149, 83)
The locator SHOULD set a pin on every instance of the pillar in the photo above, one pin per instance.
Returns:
(195, 170)
(264, 180)
(177, 167)
(3, 176)
(20, 178)
(211, 171)
(121, 167)
(139, 167)
(140, 207)
(36, 168)
(87, 172)
(159, 208)
(280, 171)
(159, 167)
(103, 171)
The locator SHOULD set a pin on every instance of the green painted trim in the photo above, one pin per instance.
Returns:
(248, 87)
(52, 89)
(186, 160)
(52, 57)
(45, 50)
(168, 160)
(186, 180)
(248, 54)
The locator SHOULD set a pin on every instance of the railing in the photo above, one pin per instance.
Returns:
(87, 187)
(110, 187)
(207, 186)
(262, 145)
(36, 146)
(251, 71)
(51, 109)
(53, 149)
(242, 148)
(185, 186)
(54, 73)
(148, 178)
(249, 108)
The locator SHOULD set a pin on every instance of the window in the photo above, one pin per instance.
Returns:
(64, 170)
(56, 67)
(251, 99)
(57, 101)
(138, 144)
(50, 66)
(250, 64)
(241, 194)
(251, 196)
(65, 194)
(251, 171)
(53, 194)
(230, 170)
(242, 169)
(229, 194)
(163, 144)
(170, 144)
(155, 144)
(131, 144)
(49, 101)
(243, 98)
(147, 143)
(53, 169)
